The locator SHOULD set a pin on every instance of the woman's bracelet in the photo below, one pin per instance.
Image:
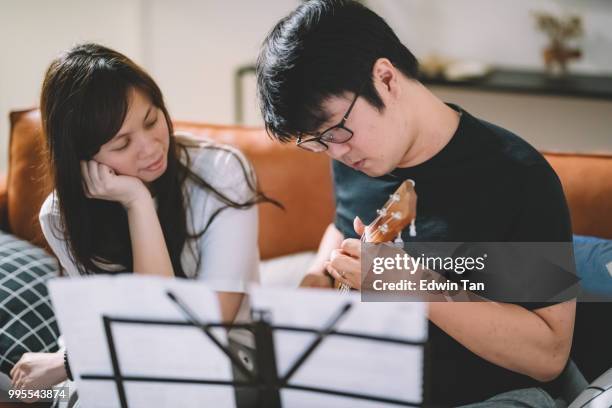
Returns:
(67, 366)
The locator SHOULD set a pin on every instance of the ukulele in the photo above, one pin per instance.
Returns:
(397, 213)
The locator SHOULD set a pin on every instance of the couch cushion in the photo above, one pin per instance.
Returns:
(594, 264)
(286, 271)
(587, 183)
(26, 316)
(28, 181)
(3, 202)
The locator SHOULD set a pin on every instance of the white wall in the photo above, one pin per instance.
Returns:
(551, 123)
(192, 47)
(33, 32)
(500, 32)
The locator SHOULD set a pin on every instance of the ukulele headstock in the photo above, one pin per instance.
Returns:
(397, 213)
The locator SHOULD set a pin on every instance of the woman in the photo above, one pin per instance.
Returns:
(132, 196)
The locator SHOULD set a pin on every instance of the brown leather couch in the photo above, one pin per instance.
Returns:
(302, 182)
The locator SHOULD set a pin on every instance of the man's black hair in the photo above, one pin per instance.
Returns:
(324, 48)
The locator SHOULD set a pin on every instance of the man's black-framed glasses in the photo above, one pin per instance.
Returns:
(335, 134)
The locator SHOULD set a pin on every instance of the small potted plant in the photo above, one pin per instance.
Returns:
(560, 31)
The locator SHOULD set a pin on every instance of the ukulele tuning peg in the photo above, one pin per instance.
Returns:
(396, 215)
(394, 197)
(382, 212)
(384, 228)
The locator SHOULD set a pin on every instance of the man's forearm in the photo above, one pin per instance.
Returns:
(149, 251)
(536, 344)
(332, 238)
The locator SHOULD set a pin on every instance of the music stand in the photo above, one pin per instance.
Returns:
(262, 380)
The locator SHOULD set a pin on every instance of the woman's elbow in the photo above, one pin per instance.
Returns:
(229, 303)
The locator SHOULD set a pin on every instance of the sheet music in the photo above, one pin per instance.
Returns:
(168, 351)
(342, 363)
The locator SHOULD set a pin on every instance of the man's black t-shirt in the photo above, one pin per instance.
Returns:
(485, 185)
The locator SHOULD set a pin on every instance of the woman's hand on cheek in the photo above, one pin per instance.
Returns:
(101, 182)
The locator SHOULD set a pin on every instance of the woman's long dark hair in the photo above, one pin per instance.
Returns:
(84, 102)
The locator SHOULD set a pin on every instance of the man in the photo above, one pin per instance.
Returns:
(334, 76)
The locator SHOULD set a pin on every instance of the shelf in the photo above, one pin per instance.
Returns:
(535, 83)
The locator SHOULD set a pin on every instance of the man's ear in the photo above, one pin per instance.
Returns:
(385, 77)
